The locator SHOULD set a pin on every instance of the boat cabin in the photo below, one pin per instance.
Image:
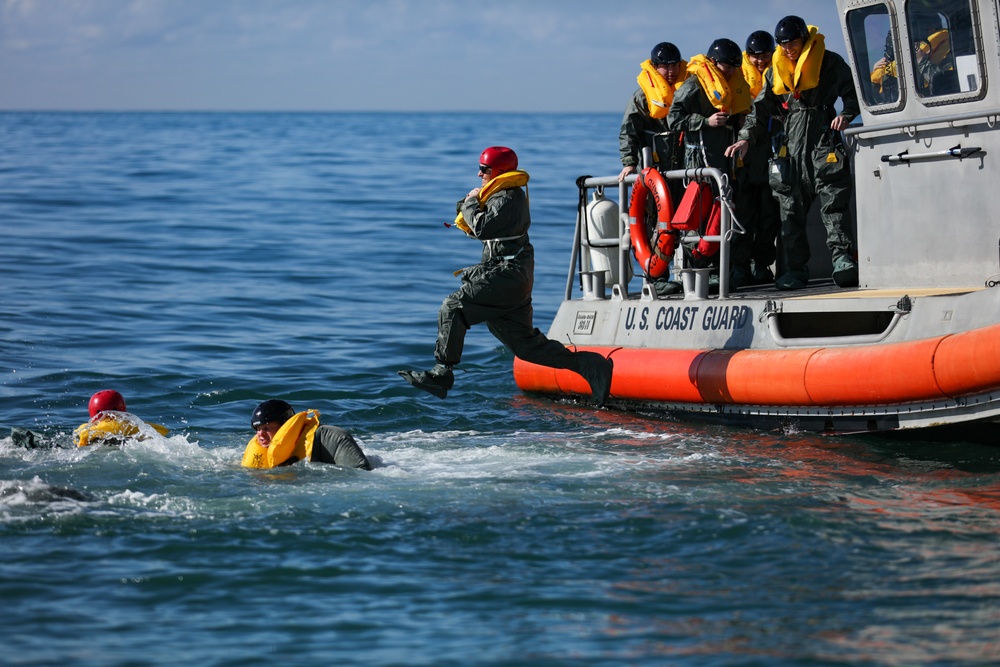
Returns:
(925, 154)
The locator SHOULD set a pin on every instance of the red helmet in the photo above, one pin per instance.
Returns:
(108, 399)
(499, 159)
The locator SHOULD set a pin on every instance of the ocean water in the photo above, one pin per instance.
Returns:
(200, 263)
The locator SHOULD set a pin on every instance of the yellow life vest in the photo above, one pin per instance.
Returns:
(505, 181)
(936, 46)
(113, 427)
(803, 74)
(753, 78)
(659, 94)
(731, 97)
(879, 74)
(293, 442)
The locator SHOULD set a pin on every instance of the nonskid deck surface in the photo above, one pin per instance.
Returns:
(817, 287)
(827, 289)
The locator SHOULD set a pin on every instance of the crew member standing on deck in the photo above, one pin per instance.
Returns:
(708, 109)
(497, 291)
(709, 105)
(753, 253)
(644, 124)
(801, 88)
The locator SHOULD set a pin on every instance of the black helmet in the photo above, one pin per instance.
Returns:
(759, 43)
(665, 53)
(272, 410)
(889, 48)
(789, 28)
(725, 51)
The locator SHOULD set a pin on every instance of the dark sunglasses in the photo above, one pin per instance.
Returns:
(484, 169)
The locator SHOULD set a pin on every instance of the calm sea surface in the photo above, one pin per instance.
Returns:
(200, 263)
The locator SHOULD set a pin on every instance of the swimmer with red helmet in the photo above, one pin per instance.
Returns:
(112, 423)
(497, 291)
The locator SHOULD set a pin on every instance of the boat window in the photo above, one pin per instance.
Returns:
(874, 44)
(942, 44)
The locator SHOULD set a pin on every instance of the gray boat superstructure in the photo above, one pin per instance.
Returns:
(917, 344)
(925, 159)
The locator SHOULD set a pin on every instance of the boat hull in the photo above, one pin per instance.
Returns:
(912, 362)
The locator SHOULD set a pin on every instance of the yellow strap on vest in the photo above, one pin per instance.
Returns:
(505, 181)
(462, 224)
(112, 425)
(879, 74)
(803, 74)
(753, 78)
(293, 439)
(659, 94)
(731, 97)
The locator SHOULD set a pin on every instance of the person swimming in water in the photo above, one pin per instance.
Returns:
(282, 437)
(110, 423)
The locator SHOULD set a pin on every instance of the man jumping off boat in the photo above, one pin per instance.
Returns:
(497, 291)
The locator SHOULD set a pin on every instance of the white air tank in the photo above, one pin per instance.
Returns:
(602, 225)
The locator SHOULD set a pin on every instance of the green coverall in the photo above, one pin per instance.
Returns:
(639, 130)
(757, 211)
(498, 290)
(332, 444)
(704, 145)
(811, 175)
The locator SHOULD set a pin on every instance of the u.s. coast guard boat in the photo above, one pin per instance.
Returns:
(917, 344)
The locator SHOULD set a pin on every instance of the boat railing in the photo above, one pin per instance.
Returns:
(912, 127)
(693, 280)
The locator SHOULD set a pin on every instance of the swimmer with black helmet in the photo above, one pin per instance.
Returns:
(282, 437)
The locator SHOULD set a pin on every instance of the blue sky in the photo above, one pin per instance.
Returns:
(358, 55)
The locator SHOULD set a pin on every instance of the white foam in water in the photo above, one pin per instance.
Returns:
(472, 454)
(25, 500)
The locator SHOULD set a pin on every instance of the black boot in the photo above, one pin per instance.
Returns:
(437, 380)
(845, 271)
(597, 371)
(22, 437)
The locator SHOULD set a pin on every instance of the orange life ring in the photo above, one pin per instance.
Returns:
(655, 262)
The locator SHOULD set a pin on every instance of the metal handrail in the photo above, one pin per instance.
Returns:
(862, 130)
(581, 238)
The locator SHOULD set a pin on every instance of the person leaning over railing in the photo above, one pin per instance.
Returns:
(802, 86)
(753, 253)
(708, 109)
(644, 124)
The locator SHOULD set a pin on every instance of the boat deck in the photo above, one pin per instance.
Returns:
(825, 288)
